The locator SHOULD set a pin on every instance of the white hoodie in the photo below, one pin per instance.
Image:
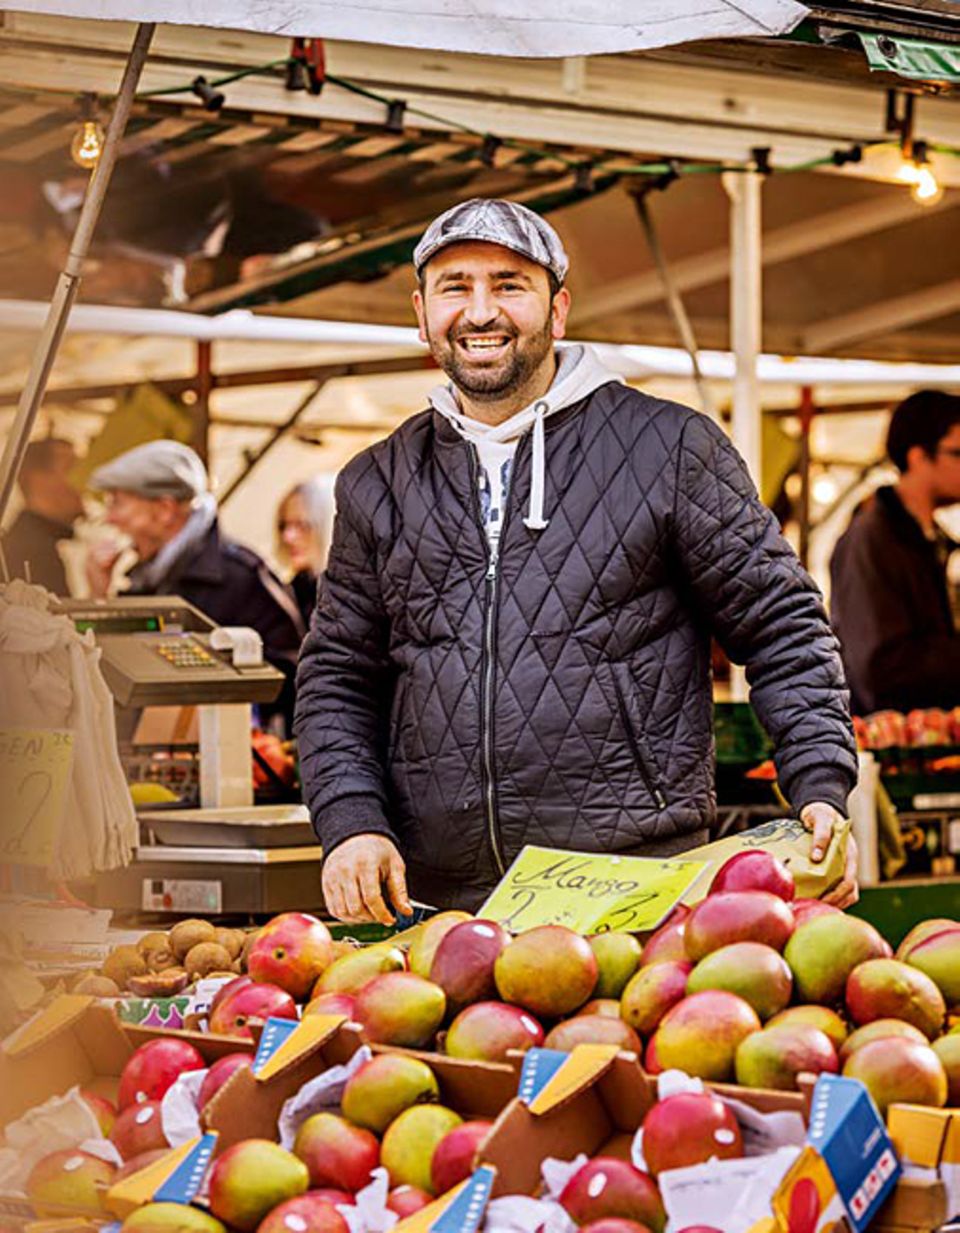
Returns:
(579, 372)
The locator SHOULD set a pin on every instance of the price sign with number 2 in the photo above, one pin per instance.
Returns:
(35, 765)
(587, 892)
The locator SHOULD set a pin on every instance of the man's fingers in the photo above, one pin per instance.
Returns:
(822, 832)
(843, 894)
(397, 886)
(372, 893)
(352, 896)
(331, 893)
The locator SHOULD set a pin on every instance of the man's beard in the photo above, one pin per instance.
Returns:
(492, 381)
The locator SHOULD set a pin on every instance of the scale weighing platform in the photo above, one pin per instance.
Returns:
(229, 857)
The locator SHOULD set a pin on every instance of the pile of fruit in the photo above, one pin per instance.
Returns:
(390, 1117)
(755, 986)
(751, 985)
(164, 964)
(916, 730)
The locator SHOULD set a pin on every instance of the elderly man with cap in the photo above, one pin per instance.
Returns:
(512, 638)
(158, 495)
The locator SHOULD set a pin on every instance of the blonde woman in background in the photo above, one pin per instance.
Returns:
(304, 523)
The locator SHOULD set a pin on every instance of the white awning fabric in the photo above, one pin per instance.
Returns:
(491, 27)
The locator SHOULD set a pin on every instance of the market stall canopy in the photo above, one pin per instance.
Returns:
(495, 27)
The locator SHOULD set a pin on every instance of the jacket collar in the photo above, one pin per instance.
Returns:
(202, 563)
(207, 564)
(905, 523)
(41, 523)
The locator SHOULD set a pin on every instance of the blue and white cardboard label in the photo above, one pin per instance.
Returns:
(539, 1067)
(275, 1033)
(184, 1183)
(849, 1134)
(465, 1213)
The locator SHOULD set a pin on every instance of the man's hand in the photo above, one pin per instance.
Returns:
(353, 879)
(821, 818)
(99, 566)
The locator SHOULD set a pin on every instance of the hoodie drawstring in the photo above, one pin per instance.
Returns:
(535, 520)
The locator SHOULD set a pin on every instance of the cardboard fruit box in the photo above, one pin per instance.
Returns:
(592, 1102)
(77, 1041)
(249, 1103)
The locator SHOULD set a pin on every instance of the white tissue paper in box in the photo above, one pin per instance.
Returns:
(521, 1214)
(319, 1095)
(60, 1123)
(178, 1108)
(370, 1213)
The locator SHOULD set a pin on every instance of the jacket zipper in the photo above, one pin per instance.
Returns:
(487, 671)
(658, 798)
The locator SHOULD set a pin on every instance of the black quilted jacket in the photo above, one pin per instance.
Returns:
(563, 698)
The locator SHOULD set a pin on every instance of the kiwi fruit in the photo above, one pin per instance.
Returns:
(96, 985)
(231, 940)
(206, 957)
(187, 934)
(161, 960)
(151, 942)
(122, 963)
(159, 984)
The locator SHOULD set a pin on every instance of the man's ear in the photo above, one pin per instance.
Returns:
(418, 308)
(917, 458)
(558, 313)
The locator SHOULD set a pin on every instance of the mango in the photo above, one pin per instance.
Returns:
(737, 916)
(775, 1057)
(824, 950)
(410, 1142)
(618, 957)
(384, 1087)
(549, 970)
(755, 972)
(888, 989)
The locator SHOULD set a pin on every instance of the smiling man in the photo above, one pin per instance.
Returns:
(512, 639)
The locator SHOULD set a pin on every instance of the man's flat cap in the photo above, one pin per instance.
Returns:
(155, 469)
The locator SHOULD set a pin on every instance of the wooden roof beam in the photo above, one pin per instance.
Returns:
(782, 244)
(903, 310)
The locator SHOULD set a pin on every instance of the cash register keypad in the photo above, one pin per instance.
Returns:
(185, 653)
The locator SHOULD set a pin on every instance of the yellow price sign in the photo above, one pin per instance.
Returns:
(587, 892)
(35, 765)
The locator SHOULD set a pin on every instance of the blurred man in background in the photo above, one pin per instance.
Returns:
(158, 495)
(51, 505)
(890, 598)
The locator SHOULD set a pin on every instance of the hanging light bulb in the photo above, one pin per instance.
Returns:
(917, 172)
(87, 144)
(926, 188)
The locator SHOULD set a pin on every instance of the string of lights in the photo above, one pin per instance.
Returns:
(305, 68)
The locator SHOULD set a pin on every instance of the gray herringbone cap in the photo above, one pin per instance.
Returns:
(493, 221)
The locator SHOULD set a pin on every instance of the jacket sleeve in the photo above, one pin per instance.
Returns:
(343, 682)
(767, 614)
(890, 662)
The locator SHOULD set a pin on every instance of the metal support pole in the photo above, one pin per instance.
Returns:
(676, 306)
(201, 410)
(746, 311)
(278, 433)
(68, 284)
(746, 315)
(807, 412)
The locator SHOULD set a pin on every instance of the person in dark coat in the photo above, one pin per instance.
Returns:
(158, 495)
(51, 505)
(890, 599)
(512, 637)
(304, 519)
